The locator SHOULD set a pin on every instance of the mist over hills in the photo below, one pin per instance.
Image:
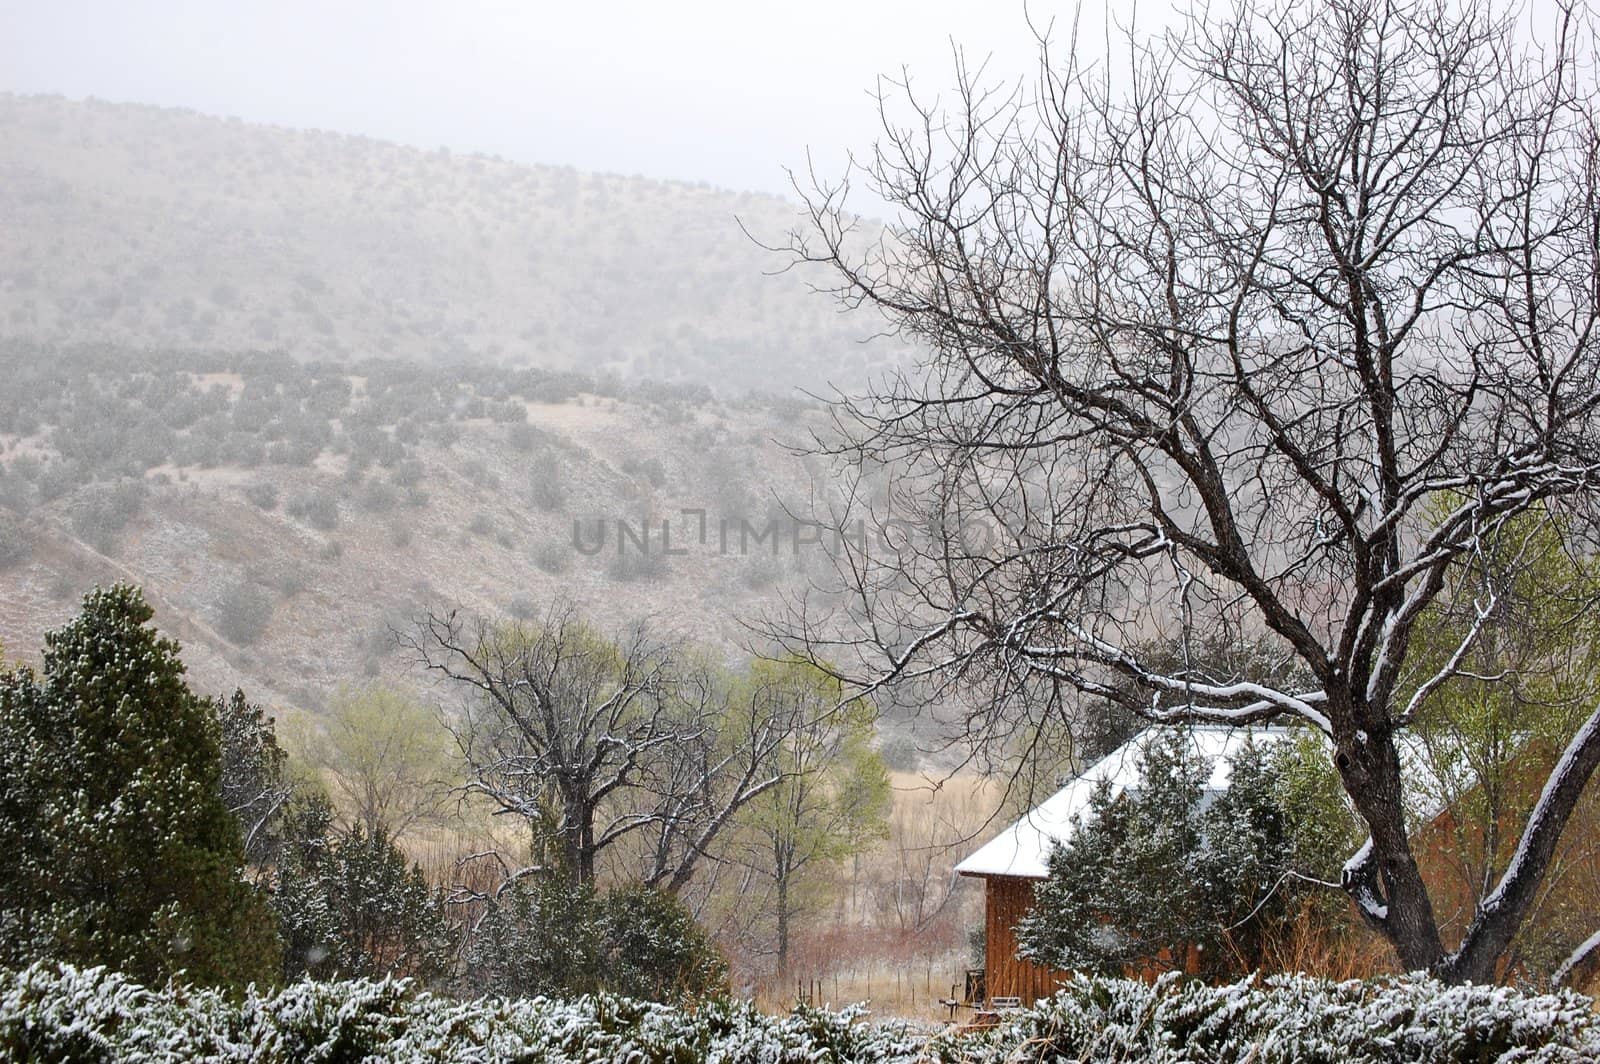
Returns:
(146, 226)
(301, 386)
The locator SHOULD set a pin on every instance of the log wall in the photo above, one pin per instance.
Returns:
(1006, 900)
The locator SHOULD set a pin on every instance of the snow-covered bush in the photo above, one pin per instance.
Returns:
(53, 1012)
(1291, 1019)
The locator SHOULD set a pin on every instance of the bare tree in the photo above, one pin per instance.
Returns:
(601, 744)
(1260, 336)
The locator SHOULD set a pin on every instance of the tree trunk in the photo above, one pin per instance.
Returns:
(586, 847)
(1370, 768)
(783, 925)
(577, 844)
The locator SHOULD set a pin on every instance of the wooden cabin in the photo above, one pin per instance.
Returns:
(1014, 861)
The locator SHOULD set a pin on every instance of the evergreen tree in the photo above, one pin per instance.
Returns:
(307, 919)
(350, 906)
(1155, 876)
(653, 949)
(1124, 886)
(120, 848)
(1243, 866)
(545, 935)
(255, 783)
(535, 937)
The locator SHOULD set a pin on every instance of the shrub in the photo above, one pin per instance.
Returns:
(552, 937)
(348, 904)
(900, 753)
(378, 497)
(318, 509)
(535, 938)
(651, 469)
(102, 512)
(631, 565)
(293, 452)
(545, 488)
(52, 1011)
(553, 557)
(479, 474)
(654, 950)
(521, 436)
(1287, 1019)
(407, 474)
(263, 494)
(243, 613)
(14, 543)
(57, 1012)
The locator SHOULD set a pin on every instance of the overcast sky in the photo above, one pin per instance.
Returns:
(715, 90)
(726, 92)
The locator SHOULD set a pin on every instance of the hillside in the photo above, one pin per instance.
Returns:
(143, 226)
(284, 515)
(301, 385)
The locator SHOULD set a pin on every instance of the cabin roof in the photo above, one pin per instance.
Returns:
(1023, 849)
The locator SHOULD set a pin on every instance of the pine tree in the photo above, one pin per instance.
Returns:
(121, 850)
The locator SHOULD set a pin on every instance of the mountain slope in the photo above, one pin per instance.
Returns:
(147, 226)
(284, 516)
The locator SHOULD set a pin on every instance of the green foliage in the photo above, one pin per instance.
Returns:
(535, 936)
(1124, 886)
(653, 948)
(255, 783)
(1489, 736)
(1324, 829)
(52, 1012)
(58, 1013)
(1289, 1019)
(831, 800)
(387, 756)
(120, 848)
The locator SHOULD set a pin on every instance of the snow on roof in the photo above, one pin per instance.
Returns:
(1023, 849)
